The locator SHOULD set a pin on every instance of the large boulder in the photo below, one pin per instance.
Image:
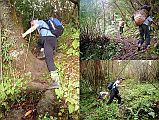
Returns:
(48, 103)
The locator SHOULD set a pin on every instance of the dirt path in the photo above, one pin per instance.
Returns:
(129, 50)
(36, 97)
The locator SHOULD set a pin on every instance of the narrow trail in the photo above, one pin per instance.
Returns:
(37, 97)
(129, 50)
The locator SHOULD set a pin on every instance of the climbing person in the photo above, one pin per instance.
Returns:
(47, 41)
(114, 92)
(121, 26)
(144, 21)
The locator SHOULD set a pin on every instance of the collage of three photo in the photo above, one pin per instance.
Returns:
(79, 60)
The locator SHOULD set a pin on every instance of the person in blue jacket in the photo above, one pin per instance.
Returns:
(47, 41)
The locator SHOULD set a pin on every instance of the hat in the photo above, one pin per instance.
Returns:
(147, 7)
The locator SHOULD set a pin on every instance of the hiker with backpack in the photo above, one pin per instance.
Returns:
(143, 20)
(121, 26)
(48, 30)
(114, 92)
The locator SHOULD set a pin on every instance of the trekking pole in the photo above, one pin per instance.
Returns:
(28, 47)
(27, 52)
(1, 64)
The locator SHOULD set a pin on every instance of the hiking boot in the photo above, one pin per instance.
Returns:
(119, 106)
(54, 85)
(55, 79)
(139, 47)
(147, 47)
(41, 55)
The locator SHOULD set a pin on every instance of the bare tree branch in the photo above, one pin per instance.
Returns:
(132, 4)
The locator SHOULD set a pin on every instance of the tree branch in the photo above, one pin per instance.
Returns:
(132, 4)
(122, 14)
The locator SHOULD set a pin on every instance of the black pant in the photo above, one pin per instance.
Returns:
(144, 34)
(49, 45)
(121, 30)
(114, 93)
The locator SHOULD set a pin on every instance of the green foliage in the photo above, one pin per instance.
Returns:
(44, 9)
(156, 49)
(69, 42)
(11, 85)
(33, 8)
(10, 89)
(99, 51)
(46, 117)
(90, 13)
(85, 85)
(91, 109)
(6, 47)
(156, 36)
(140, 101)
(68, 90)
(137, 99)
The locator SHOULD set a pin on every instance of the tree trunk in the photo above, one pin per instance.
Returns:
(76, 2)
(0, 50)
(132, 5)
(104, 16)
(12, 28)
(122, 14)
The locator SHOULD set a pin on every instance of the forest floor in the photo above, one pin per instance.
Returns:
(129, 51)
(35, 99)
(139, 101)
(118, 47)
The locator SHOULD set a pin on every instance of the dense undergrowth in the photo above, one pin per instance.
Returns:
(68, 43)
(11, 84)
(97, 48)
(98, 52)
(137, 103)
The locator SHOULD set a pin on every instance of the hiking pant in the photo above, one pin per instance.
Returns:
(49, 45)
(113, 94)
(121, 30)
(144, 34)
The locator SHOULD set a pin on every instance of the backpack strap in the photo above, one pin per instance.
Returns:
(114, 85)
(44, 28)
(46, 21)
(52, 24)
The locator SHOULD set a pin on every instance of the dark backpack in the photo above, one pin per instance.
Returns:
(55, 26)
(110, 85)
